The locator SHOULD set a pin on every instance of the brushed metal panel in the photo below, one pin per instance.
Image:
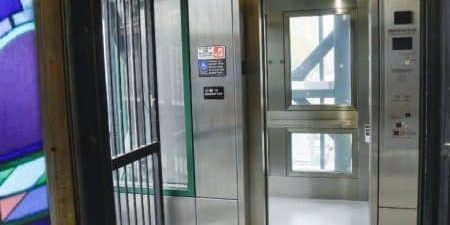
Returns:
(213, 120)
(217, 212)
(374, 102)
(307, 187)
(289, 5)
(178, 210)
(254, 71)
(240, 92)
(362, 100)
(275, 62)
(389, 216)
(399, 113)
(399, 173)
(277, 152)
(313, 115)
(312, 119)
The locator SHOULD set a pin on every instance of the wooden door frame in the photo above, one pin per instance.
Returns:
(73, 105)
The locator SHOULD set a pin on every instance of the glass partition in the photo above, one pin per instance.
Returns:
(129, 61)
(174, 95)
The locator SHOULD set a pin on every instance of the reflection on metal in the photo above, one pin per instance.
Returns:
(128, 32)
(218, 123)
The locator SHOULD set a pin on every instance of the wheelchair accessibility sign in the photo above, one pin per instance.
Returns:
(212, 61)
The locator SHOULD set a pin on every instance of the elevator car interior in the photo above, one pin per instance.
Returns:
(230, 112)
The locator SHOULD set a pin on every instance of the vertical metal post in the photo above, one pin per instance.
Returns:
(157, 167)
(322, 98)
(342, 88)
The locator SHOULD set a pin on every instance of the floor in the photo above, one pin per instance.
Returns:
(298, 211)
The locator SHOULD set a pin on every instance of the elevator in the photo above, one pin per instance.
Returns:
(250, 112)
(337, 114)
(342, 113)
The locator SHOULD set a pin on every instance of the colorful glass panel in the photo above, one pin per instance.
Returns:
(23, 189)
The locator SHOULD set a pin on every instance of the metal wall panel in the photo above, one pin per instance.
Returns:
(277, 155)
(399, 173)
(390, 216)
(214, 120)
(289, 5)
(400, 114)
(180, 211)
(307, 187)
(275, 62)
(217, 212)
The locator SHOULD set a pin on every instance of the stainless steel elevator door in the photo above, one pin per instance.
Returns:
(317, 102)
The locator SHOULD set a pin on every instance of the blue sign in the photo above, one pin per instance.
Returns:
(203, 65)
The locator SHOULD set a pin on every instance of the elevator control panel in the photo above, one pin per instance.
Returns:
(399, 125)
(401, 75)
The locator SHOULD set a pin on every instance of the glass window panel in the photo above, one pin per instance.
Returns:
(130, 87)
(321, 152)
(169, 58)
(320, 60)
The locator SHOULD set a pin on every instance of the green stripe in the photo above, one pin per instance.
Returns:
(41, 180)
(187, 96)
(147, 191)
(5, 174)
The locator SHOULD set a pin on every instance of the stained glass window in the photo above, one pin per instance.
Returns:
(23, 189)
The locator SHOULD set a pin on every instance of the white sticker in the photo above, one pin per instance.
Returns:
(211, 52)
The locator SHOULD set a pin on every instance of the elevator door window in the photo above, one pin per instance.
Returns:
(319, 52)
(321, 152)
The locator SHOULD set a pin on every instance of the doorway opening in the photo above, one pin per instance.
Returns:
(317, 110)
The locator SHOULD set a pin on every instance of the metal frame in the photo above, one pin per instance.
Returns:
(326, 117)
(433, 103)
(374, 34)
(314, 174)
(187, 101)
(287, 70)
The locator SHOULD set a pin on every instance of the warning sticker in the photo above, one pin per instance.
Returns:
(212, 61)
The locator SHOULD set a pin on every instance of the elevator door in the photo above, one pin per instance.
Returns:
(317, 112)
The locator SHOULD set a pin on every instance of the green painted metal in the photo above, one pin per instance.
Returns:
(187, 97)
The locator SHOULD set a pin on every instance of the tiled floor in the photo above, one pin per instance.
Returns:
(298, 211)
